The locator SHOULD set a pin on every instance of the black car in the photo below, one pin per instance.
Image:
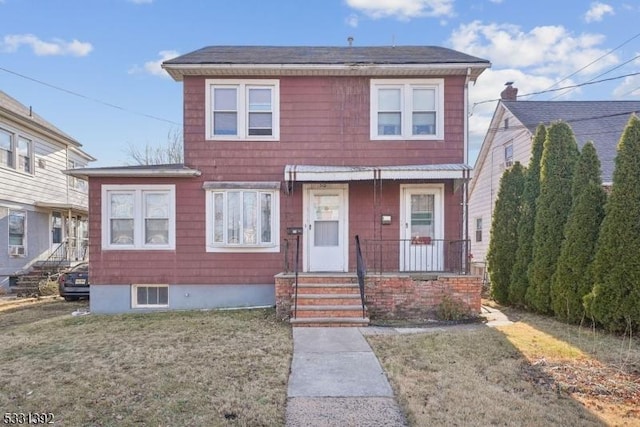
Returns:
(74, 282)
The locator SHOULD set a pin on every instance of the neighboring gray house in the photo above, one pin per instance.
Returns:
(509, 139)
(42, 211)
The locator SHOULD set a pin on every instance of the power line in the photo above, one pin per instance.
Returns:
(79, 95)
(560, 88)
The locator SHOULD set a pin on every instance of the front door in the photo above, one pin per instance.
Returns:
(326, 228)
(57, 230)
(421, 244)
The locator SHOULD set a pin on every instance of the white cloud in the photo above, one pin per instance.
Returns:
(546, 50)
(155, 67)
(403, 9)
(352, 20)
(630, 86)
(12, 42)
(597, 11)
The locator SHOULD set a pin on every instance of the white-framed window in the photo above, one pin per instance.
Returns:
(78, 184)
(508, 155)
(407, 109)
(17, 233)
(16, 152)
(242, 218)
(136, 217)
(243, 109)
(479, 229)
(149, 296)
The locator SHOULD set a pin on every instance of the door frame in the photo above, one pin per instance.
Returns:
(344, 220)
(438, 209)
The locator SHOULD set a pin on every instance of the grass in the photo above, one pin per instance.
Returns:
(534, 372)
(175, 368)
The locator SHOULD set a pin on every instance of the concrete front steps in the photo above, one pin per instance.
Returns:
(330, 303)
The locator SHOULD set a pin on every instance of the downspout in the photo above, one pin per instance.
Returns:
(466, 175)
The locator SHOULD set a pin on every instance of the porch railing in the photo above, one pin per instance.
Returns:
(420, 254)
(361, 270)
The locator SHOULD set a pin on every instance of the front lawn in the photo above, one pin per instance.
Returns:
(534, 372)
(173, 368)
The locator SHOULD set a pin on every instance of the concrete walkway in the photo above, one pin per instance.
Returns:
(336, 380)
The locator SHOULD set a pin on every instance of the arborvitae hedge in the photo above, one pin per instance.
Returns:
(524, 253)
(504, 232)
(615, 300)
(570, 282)
(552, 208)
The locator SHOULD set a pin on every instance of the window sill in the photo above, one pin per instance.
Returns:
(244, 249)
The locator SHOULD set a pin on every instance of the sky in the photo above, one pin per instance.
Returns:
(92, 67)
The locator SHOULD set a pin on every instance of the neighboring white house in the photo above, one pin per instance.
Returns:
(509, 139)
(42, 211)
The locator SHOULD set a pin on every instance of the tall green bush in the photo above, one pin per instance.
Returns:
(571, 282)
(519, 279)
(504, 232)
(552, 208)
(615, 300)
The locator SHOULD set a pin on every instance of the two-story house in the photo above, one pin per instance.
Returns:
(509, 140)
(42, 211)
(285, 148)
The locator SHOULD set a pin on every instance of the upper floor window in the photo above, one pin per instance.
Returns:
(16, 152)
(407, 109)
(243, 109)
(138, 217)
(508, 155)
(76, 183)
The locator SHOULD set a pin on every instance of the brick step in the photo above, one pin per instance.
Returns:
(335, 311)
(326, 299)
(330, 321)
(328, 288)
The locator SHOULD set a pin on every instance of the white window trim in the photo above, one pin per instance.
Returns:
(15, 136)
(405, 85)
(264, 248)
(138, 223)
(134, 296)
(20, 250)
(242, 109)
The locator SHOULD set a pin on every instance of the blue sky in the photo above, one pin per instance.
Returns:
(92, 68)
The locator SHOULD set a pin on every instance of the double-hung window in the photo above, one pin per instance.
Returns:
(17, 233)
(242, 217)
(76, 183)
(138, 217)
(16, 151)
(243, 109)
(508, 155)
(407, 109)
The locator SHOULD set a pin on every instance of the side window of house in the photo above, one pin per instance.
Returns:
(76, 183)
(16, 152)
(243, 109)
(138, 217)
(407, 109)
(478, 229)
(242, 219)
(17, 233)
(508, 155)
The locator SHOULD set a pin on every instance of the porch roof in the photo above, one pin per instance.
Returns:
(363, 173)
(62, 206)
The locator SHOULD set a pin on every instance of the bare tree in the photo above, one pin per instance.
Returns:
(170, 153)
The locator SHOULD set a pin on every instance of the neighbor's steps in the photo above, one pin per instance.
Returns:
(328, 304)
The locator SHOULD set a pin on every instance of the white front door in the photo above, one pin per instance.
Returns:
(422, 228)
(326, 239)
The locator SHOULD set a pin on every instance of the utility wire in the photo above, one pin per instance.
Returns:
(79, 95)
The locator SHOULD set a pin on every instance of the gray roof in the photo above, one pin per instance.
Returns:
(24, 113)
(601, 122)
(171, 170)
(325, 55)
